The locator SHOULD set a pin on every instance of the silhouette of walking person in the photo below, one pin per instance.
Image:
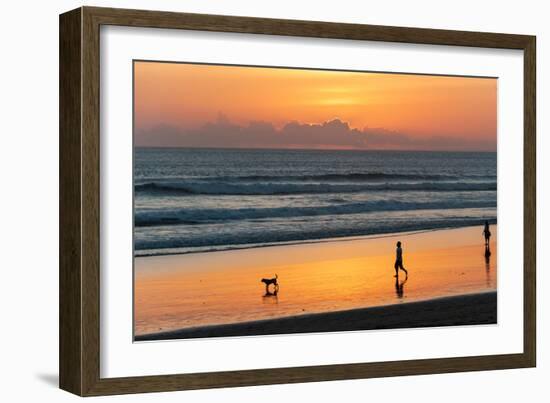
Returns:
(399, 260)
(487, 233)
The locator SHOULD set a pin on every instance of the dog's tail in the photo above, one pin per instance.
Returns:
(276, 276)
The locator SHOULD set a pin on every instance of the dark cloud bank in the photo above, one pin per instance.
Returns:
(331, 134)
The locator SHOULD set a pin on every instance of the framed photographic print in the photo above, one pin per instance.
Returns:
(249, 201)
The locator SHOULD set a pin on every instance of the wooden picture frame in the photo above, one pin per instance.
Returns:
(79, 348)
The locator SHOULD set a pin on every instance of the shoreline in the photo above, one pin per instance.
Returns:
(459, 310)
(380, 235)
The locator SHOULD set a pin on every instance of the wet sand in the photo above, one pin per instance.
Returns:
(344, 284)
(475, 309)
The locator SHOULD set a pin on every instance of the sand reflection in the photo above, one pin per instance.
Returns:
(173, 292)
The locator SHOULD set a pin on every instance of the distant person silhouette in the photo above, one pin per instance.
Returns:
(487, 233)
(399, 260)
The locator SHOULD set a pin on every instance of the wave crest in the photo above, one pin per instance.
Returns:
(273, 188)
(197, 216)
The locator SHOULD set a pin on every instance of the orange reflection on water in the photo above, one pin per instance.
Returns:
(173, 292)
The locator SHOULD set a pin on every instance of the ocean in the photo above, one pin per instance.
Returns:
(198, 200)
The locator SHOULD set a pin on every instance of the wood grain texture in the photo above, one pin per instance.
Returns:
(316, 29)
(530, 202)
(80, 200)
(90, 202)
(70, 271)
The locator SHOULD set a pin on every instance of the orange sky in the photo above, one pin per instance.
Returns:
(188, 96)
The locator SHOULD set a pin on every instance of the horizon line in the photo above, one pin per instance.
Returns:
(313, 149)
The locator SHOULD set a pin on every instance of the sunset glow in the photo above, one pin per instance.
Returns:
(416, 111)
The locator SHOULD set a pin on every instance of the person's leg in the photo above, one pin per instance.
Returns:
(396, 267)
(402, 268)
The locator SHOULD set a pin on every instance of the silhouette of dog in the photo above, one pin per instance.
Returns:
(269, 281)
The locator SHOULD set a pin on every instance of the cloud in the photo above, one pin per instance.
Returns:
(334, 134)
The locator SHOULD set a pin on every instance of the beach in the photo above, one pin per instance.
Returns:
(332, 285)
(475, 309)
